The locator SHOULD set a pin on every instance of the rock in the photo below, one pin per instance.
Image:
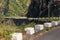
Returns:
(54, 23)
(39, 27)
(47, 25)
(29, 30)
(17, 36)
(59, 22)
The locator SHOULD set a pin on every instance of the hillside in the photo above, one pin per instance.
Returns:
(29, 8)
(14, 7)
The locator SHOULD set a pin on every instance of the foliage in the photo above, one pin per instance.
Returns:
(28, 25)
(15, 7)
(7, 30)
(31, 24)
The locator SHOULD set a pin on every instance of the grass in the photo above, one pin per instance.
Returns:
(15, 8)
(6, 30)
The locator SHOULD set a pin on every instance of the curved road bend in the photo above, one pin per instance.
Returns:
(52, 35)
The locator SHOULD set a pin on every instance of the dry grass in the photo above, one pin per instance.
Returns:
(6, 30)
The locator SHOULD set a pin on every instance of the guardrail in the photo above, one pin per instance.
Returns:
(41, 19)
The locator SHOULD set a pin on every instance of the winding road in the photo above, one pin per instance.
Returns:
(52, 35)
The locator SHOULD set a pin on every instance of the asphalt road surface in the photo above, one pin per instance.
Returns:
(52, 35)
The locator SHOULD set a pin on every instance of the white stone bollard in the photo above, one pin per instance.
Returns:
(54, 23)
(47, 25)
(17, 36)
(29, 30)
(39, 27)
(59, 22)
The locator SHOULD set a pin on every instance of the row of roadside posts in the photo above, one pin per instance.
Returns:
(30, 30)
